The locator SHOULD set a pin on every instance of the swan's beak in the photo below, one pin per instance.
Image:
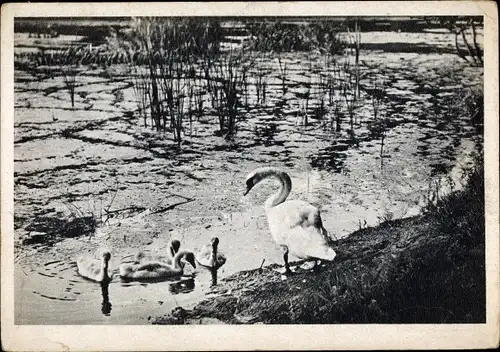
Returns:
(248, 190)
(250, 183)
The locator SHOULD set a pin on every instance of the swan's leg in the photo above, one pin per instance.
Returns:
(316, 266)
(285, 258)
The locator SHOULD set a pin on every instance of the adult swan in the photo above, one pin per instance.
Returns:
(295, 225)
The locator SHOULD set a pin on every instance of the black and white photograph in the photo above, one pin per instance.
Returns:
(250, 169)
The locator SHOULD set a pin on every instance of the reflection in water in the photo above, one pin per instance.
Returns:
(183, 286)
(331, 158)
(106, 304)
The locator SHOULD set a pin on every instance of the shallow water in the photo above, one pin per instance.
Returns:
(54, 295)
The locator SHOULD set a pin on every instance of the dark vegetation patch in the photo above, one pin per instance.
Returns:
(420, 48)
(21, 177)
(425, 269)
(25, 139)
(287, 36)
(87, 27)
(49, 229)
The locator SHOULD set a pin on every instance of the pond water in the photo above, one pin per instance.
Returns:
(55, 294)
(98, 154)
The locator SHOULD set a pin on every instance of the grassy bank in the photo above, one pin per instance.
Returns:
(425, 269)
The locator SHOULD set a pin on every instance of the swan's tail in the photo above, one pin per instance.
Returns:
(324, 253)
(330, 254)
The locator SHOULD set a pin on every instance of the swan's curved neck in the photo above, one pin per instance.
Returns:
(214, 253)
(283, 192)
(177, 261)
(177, 264)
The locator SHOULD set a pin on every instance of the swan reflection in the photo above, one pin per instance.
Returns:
(183, 286)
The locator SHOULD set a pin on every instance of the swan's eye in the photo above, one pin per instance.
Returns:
(250, 183)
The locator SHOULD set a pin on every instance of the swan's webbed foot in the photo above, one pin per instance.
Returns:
(308, 265)
(314, 266)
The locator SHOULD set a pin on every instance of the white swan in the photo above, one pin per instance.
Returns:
(95, 269)
(295, 225)
(157, 270)
(142, 257)
(210, 257)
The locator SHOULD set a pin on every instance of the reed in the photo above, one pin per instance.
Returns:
(465, 28)
(321, 90)
(228, 74)
(70, 66)
(283, 72)
(168, 53)
(261, 73)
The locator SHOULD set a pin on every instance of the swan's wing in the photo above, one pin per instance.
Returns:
(88, 267)
(295, 213)
(292, 214)
(221, 259)
(282, 219)
(314, 226)
(162, 258)
(297, 224)
(309, 243)
(310, 221)
(85, 261)
(204, 255)
(300, 242)
(150, 266)
(80, 262)
(147, 258)
(156, 258)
